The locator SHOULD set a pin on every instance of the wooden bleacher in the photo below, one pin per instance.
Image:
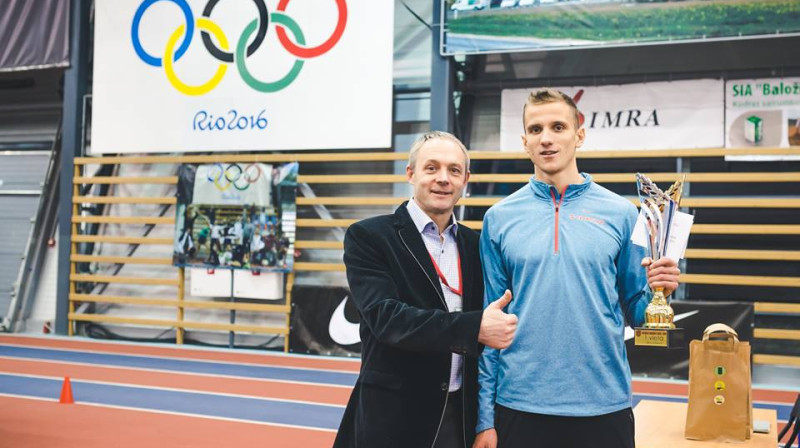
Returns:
(309, 245)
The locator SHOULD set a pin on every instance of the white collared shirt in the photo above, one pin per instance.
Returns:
(444, 251)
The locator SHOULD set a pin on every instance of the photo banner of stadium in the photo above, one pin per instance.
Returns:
(248, 75)
(236, 216)
(497, 26)
(657, 115)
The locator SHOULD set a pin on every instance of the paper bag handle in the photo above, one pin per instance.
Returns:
(720, 332)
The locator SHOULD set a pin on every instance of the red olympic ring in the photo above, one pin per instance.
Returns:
(302, 52)
(248, 177)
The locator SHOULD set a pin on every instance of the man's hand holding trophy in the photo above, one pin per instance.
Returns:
(665, 232)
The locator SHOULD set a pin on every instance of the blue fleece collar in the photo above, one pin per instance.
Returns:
(542, 190)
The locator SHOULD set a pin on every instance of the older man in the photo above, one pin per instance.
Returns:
(415, 277)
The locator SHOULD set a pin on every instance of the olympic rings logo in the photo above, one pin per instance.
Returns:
(259, 26)
(233, 175)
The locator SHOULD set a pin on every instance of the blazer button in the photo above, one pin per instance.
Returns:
(445, 386)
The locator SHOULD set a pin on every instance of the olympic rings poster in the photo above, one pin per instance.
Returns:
(246, 75)
(236, 216)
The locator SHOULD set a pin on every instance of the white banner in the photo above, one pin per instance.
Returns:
(762, 112)
(233, 184)
(657, 115)
(204, 75)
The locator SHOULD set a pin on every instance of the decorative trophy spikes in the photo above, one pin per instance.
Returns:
(676, 189)
(658, 210)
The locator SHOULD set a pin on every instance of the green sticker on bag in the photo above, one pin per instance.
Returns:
(720, 370)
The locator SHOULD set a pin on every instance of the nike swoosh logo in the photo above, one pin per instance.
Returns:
(342, 331)
(630, 333)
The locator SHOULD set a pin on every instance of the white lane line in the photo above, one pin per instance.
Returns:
(172, 389)
(684, 398)
(162, 346)
(177, 372)
(179, 358)
(184, 414)
(756, 387)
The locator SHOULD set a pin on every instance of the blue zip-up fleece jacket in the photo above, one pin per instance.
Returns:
(576, 280)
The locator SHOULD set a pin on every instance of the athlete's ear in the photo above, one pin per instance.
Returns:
(581, 136)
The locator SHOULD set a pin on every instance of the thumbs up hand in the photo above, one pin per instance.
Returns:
(497, 327)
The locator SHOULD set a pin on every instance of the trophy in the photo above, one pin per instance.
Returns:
(658, 210)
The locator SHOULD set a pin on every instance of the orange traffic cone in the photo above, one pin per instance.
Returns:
(66, 392)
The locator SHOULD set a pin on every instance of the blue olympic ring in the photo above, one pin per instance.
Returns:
(187, 38)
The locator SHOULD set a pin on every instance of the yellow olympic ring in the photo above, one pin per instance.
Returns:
(218, 177)
(220, 187)
(203, 24)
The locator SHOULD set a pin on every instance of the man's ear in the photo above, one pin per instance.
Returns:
(581, 134)
(409, 173)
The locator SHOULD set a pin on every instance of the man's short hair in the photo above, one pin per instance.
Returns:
(435, 135)
(545, 96)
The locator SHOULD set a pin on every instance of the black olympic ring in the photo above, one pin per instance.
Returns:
(224, 56)
(238, 175)
(247, 177)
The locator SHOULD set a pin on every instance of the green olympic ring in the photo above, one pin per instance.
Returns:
(241, 46)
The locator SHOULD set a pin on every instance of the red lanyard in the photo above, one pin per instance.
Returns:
(444, 280)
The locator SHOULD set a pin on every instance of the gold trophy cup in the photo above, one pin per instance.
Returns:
(658, 209)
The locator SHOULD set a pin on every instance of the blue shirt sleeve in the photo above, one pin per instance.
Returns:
(496, 281)
(631, 276)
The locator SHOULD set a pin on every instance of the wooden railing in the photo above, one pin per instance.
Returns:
(178, 302)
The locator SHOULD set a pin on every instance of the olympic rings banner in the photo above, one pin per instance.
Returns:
(233, 184)
(236, 215)
(211, 75)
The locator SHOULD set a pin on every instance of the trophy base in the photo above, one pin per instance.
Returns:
(659, 337)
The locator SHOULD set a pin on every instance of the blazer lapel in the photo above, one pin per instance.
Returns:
(411, 237)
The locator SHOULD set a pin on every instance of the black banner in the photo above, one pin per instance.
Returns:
(693, 317)
(324, 321)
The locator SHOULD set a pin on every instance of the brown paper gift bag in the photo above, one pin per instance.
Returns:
(720, 393)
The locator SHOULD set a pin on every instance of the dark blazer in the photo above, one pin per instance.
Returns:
(407, 335)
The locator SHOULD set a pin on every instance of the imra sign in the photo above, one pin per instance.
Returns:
(658, 115)
(609, 119)
(624, 118)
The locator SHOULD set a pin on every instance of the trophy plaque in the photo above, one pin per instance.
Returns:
(658, 209)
